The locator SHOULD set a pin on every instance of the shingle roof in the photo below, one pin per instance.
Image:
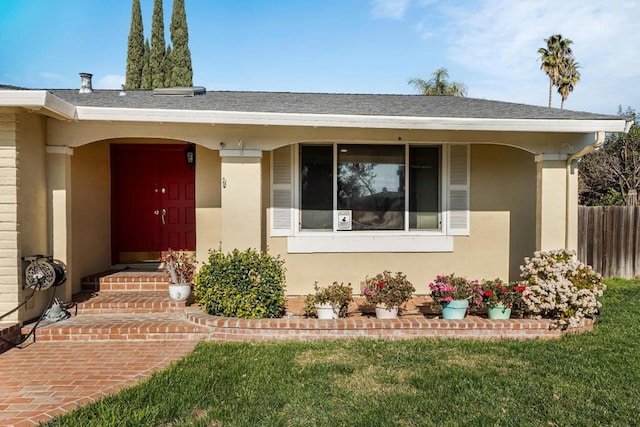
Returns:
(325, 103)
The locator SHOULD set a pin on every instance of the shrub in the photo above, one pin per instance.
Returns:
(387, 289)
(560, 287)
(336, 294)
(245, 284)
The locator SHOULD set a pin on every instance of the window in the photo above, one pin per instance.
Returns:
(370, 185)
(395, 197)
(424, 188)
(316, 187)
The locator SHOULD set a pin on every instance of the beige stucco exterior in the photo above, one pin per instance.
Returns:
(502, 214)
(55, 183)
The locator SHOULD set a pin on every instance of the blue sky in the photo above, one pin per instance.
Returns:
(349, 46)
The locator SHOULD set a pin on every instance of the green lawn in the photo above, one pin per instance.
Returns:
(580, 380)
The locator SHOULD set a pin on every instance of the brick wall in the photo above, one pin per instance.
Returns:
(297, 328)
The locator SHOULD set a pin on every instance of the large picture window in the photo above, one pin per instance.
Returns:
(371, 183)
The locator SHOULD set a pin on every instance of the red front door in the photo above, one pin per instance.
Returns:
(153, 201)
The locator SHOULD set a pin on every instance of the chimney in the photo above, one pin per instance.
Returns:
(85, 83)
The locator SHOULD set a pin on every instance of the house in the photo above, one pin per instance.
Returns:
(340, 185)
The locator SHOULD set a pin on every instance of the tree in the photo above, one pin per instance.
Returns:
(135, 49)
(145, 82)
(438, 84)
(554, 60)
(168, 67)
(569, 77)
(156, 59)
(181, 71)
(607, 174)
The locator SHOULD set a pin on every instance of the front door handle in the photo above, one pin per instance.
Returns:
(162, 213)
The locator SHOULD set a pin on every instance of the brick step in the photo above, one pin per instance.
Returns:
(126, 280)
(125, 302)
(121, 327)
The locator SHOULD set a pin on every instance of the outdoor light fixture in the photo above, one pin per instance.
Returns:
(190, 154)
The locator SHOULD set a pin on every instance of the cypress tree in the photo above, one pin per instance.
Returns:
(181, 71)
(135, 49)
(167, 67)
(156, 59)
(146, 69)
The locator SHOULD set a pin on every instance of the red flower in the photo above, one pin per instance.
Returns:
(488, 293)
(520, 288)
(505, 290)
(380, 284)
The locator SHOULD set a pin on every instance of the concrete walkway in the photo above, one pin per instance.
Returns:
(46, 379)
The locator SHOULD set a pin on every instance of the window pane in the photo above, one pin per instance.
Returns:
(424, 186)
(316, 187)
(371, 185)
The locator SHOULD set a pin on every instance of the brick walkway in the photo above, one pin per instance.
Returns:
(50, 378)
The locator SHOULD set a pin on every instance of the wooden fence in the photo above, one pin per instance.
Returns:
(609, 239)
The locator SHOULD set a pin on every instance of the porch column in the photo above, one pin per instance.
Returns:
(551, 201)
(59, 211)
(572, 206)
(241, 199)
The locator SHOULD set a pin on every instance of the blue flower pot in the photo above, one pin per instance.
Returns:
(455, 309)
(499, 312)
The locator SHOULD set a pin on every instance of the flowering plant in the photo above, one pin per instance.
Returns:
(560, 287)
(336, 294)
(389, 290)
(448, 288)
(180, 266)
(496, 292)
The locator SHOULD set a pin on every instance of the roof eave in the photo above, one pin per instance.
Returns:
(38, 100)
(349, 121)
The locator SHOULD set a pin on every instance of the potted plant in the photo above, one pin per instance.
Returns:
(181, 267)
(387, 292)
(330, 302)
(500, 297)
(455, 294)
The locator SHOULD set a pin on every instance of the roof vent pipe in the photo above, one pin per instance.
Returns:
(85, 83)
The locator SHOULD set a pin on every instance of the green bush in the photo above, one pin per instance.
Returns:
(245, 284)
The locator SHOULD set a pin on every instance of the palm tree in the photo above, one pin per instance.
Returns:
(552, 58)
(438, 84)
(569, 77)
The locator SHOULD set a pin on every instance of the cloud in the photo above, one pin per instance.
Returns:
(110, 81)
(390, 9)
(496, 42)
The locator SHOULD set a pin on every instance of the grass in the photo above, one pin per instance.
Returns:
(587, 379)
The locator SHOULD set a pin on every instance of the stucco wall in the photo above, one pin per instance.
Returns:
(91, 190)
(32, 202)
(503, 179)
(208, 202)
(502, 232)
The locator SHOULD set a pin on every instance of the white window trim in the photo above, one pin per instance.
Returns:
(371, 241)
(340, 243)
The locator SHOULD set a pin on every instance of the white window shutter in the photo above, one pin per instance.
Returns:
(458, 203)
(282, 191)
